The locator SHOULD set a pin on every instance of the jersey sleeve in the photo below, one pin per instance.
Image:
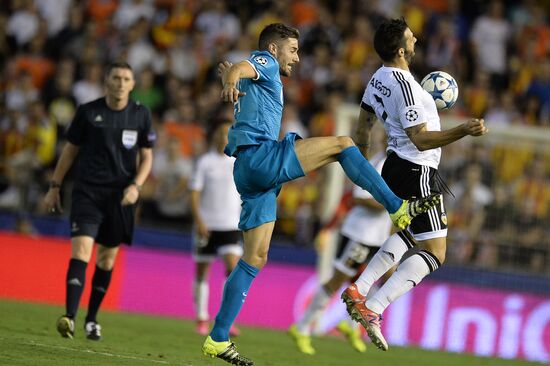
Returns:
(147, 137)
(266, 67)
(408, 99)
(76, 133)
(197, 180)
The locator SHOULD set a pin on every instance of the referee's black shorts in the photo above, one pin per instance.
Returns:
(408, 180)
(97, 212)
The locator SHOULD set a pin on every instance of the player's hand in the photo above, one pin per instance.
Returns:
(230, 93)
(52, 201)
(202, 230)
(130, 195)
(223, 67)
(476, 127)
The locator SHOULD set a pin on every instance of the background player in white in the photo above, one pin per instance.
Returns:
(415, 138)
(364, 229)
(216, 208)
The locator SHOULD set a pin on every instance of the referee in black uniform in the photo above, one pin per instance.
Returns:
(111, 140)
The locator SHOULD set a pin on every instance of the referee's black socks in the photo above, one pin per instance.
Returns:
(76, 277)
(100, 284)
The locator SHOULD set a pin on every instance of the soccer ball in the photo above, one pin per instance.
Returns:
(442, 87)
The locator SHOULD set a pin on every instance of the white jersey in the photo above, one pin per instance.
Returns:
(399, 102)
(365, 225)
(220, 203)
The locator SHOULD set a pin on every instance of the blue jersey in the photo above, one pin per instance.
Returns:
(258, 113)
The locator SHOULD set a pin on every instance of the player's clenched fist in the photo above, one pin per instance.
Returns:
(476, 127)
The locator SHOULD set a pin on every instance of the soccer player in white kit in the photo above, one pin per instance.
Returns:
(216, 208)
(364, 229)
(412, 124)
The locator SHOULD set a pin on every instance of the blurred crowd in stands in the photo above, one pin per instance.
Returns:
(53, 54)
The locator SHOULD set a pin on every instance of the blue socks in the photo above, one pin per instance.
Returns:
(362, 173)
(234, 294)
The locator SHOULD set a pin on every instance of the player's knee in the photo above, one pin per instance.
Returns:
(257, 260)
(106, 263)
(81, 253)
(440, 254)
(344, 142)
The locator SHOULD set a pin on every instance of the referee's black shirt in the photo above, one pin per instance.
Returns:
(109, 142)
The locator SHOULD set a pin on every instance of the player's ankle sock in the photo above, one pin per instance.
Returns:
(76, 277)
(100, 284)
(362, 173)
(234, 294)
(314, 310)
(200, 292)
(387, 256)
(408, 274)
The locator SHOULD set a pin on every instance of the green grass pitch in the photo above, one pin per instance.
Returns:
(28, 337)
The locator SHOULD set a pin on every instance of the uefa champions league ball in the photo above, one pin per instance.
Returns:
(442, 87)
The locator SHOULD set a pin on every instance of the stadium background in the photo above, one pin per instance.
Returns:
(52, 55)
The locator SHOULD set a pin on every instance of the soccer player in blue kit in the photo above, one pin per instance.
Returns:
(263, 164)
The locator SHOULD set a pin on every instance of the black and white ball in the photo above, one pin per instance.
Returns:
(442, 87)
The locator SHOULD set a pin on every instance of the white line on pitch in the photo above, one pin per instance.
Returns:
(107, 354)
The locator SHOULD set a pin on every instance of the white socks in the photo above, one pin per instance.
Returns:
(313, 311)
(408, 274)
(200, 292)
(387, 256)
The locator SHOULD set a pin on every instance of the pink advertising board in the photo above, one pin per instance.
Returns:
(434, 315)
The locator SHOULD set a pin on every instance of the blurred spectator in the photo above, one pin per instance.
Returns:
(146, 92)
(540, 85)
(181, 124)
(496, 230)
(23, 92)
(34, 62)
(171, 172)
(217, 24)
(467, 213)
(502, 111)
(90, 87)
(55, 12)
(490, 35)
(23, 22)
(534, 186)
(130, 11)
(443, 47)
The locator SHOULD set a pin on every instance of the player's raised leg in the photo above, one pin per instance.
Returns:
(316, 152)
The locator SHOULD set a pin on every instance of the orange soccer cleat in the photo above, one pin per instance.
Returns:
(355, 305)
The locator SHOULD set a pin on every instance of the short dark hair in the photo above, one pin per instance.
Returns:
(117, 65)
(276, 32)
(389, 38)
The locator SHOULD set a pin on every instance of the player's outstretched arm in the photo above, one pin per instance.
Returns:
(425, 140)
(231, 76)
(52, 200)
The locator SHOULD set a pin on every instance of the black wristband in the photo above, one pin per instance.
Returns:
(54, 184)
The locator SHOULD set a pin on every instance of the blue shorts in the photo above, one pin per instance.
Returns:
(259, 172)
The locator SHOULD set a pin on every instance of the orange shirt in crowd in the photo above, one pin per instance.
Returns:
(192, 137)
(40, 68)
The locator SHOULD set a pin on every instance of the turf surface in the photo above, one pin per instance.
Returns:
(28, 337)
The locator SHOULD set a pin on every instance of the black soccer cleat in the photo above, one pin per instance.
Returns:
(225, 351)
(93, 331)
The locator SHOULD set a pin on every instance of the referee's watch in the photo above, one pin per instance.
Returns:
(138, 186)
(54, 185)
